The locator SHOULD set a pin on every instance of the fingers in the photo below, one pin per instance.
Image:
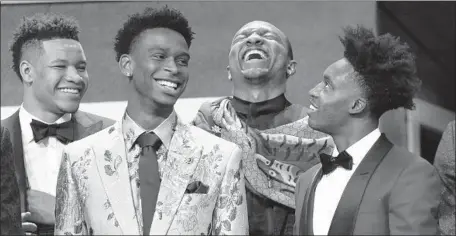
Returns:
(29, 227)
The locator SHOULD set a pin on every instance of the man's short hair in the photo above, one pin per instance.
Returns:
(151, 18)
(41, 26)
(290, 50)
(385, 69)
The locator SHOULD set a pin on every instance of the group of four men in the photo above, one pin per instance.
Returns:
(241, 167)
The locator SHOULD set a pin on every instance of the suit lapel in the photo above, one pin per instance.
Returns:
(182, 158)
(306, 221)
(84, 126)
(113, 169)
(344, 219)
(13, 125)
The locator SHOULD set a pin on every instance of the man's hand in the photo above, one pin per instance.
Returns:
(41, 207)
(28, 227)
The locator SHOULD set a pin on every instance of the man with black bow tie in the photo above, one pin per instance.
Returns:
(50, 62)
(371, 186)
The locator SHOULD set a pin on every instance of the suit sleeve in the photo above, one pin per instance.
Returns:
(230, 214)
(69, 215)
(10, 216)
(444, 162)
(414, 201)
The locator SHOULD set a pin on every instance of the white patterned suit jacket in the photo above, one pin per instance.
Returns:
(94, 192)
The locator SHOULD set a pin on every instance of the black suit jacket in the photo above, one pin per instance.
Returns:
(10, 216)
(392, 192)
(85, 124)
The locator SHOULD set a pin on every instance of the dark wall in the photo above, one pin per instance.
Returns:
(430, 29)
(312, 27)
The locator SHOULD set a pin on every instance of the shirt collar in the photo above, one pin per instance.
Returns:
(359, 149)
(270, 106)
(165, 130)
(25, 118)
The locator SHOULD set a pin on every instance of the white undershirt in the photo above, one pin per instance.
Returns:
(331, 186)
(42, 159)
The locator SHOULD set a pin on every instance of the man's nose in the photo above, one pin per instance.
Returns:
(73, 75)
(255, 39)
(170, 66)
(313, 93)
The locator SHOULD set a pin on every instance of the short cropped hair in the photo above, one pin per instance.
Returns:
(290, 50)
(41, 26)
(385, 68)
(151, 18)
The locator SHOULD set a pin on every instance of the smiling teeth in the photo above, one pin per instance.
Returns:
(312, 107)
(262, 54)
(69, 90)
(167, 84)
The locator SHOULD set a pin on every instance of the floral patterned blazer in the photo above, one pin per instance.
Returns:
(94, 190)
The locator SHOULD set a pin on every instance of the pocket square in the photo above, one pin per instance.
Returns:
(197, 187)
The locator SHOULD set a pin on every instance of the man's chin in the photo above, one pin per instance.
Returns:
(69, 108)
(255, 73)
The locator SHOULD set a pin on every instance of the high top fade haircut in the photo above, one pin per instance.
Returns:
(164, 17)
(385, 68)
(37, 28)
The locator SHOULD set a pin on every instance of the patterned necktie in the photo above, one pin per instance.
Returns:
(63, 132)
(149, 177)
(330, 163)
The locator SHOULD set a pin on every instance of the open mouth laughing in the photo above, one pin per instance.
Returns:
(167, 84)
(70, 90)
(254, 54)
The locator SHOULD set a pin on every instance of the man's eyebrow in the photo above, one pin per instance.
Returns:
(59, 60)
(328, 79)
(185, 54)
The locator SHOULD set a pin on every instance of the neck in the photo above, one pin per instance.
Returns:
(146, 113)
(32, 106)
(258, 93)
(353, 133)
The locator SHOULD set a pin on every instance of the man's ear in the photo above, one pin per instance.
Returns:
(229, 73)
(358, 106)
(291, 68)
(126, 65)
(26, 71)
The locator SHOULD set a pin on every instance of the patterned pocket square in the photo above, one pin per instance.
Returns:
(197, 187)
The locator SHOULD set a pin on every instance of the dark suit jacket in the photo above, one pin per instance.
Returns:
(85, 124)
(444, 162)
(10, 216)
(392, 192)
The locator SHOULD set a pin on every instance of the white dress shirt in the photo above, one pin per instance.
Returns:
(331, 186)
(41, 159)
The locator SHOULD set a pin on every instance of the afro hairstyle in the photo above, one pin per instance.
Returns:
(385, 69)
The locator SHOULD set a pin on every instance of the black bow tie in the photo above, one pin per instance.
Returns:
(330, 163)
(63, 132)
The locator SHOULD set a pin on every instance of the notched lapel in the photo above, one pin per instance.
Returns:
(83, 126)
(344, 219)
(113, 170)
(183, 157)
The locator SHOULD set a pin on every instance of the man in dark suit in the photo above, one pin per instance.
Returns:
(368, 186)
(444, 162)
(51, 64)
(10, 214)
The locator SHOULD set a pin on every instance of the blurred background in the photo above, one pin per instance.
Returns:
(312, 27)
